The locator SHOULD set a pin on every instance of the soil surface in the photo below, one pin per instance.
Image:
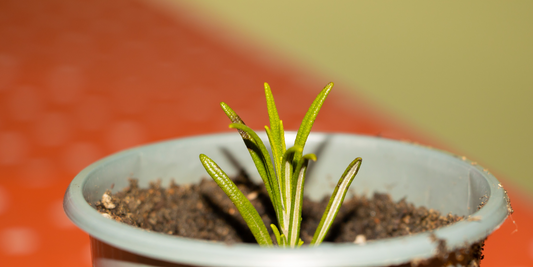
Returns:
(203, 211)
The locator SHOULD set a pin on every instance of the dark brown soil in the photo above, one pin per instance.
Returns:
(203, 211)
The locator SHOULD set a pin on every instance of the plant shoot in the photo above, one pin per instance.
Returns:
(283, 174)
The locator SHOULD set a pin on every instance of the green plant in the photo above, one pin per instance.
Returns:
(283, 177)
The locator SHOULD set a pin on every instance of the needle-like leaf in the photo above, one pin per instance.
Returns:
(310, 116)
(259, 158)
(246, 209)
(282, 133)
(277, 163)
(297, 200)
(234, 118)
(283, 175)
(276, 234)
(266, 168)
(335, 201)
(276, 137)
(286, 184)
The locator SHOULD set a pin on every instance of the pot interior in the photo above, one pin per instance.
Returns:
(422, 175)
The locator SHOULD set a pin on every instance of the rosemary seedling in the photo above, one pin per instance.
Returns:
(283, 175)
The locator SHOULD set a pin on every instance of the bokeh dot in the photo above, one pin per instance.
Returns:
(53, 129)
(58, 217)
(79, 155)
(530, 252)
(4, 200)
(9, 69)
(93, 113)
(19, 241)
(38, 172)
(65, 84)
(125, 134)
(85, 255)
(130, 95)
(14, 148)
(24, 103)
(196, 110)
(78, 52)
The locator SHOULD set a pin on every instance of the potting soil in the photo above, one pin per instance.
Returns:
(203, 211)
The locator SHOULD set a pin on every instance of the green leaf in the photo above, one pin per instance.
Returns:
(283, 240)
(246, 209)
(276, 233)
(277, 134)
(310, 116)
(297, 199)
(335, 201)
(264, 167)
(234, 118)
(275, 153)
(282, 133)
(286, 184)
(260, 157)
(280, 238)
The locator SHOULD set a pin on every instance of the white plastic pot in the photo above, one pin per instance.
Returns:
(425, 176)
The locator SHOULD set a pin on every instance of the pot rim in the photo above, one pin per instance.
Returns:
(193, 251)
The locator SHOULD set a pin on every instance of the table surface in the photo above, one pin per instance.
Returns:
(80, 80)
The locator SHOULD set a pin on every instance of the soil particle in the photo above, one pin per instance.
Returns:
(203, 211)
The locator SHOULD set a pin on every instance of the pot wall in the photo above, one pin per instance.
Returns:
(425, 176)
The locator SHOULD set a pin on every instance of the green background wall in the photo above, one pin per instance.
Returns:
(461, 72)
